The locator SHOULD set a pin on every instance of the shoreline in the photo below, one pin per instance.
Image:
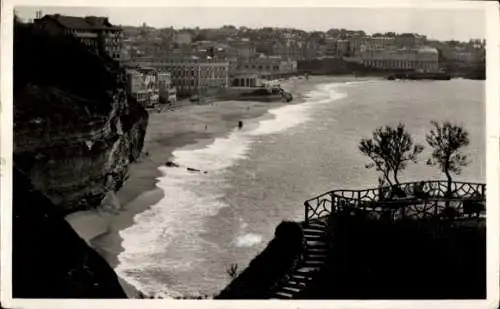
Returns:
(193, 126)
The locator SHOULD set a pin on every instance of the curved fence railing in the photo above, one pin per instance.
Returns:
(407, 200)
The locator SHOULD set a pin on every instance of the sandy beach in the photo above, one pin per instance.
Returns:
(193, 125)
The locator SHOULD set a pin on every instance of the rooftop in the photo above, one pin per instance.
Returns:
(84, 23)
(426, 49)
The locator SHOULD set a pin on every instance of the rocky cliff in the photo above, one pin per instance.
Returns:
(75, 133)
(49, 260)
(75, 129)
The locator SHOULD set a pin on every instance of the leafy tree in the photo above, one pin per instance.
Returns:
(447, 140)
(390, 150)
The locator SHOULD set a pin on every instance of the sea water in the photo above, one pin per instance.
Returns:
(254, 178)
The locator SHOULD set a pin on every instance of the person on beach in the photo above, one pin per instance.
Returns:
(240, 124)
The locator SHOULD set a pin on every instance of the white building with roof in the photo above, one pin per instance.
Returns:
(193, 76)
(142, 84)
(424, 59)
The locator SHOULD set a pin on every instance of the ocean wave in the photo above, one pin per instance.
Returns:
(247, 240)
(166, 237)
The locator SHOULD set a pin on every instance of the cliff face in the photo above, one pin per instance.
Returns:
(75, 130)
(49, 260)
(75, 133)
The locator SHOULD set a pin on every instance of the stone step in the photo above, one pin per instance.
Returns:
(294, 283)
(317, 250)
(315, 257)
(300, 278)
(283, 295)
(313, 229)
(290, 289)
(314, 263)
(316, 244)
(306, 270)
(315, 226)
(313, 236)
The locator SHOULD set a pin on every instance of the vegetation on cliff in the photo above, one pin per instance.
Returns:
(390, 150)
(447, 140)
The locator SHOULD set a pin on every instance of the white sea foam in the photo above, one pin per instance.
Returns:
(289, 116)
(165, 238)
(248, 240)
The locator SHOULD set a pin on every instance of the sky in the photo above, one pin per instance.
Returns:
(437, 23)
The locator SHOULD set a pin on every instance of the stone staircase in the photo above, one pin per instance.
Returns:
(315, 254)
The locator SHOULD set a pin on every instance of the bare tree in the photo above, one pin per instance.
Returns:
(447, 140)
(390, 150)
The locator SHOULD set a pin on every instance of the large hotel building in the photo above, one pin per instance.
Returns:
(97, 33)
(193, 76)
(425, 59)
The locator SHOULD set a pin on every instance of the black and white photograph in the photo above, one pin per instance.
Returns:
(250, 153)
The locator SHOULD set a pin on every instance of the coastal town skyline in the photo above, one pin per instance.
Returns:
(437, 24)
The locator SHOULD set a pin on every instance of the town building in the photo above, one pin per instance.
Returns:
(192, 76)
(167, 92)
(267, 67)
(409, 40)
(342, 47)
(183, 37)
(311, 49)
(245, 80)
(356, 45)
(424, 59)
(289, 49)
(97, 33)
(381, 42)
(335, 47)
(242, 49)
(142, 84)
(266, 47)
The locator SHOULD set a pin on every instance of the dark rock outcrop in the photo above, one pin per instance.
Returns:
(75, 128)
(265, 270)
(49, 260)
(75, 132)
(379, 259)
(404, 259)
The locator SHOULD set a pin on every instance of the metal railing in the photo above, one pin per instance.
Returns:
(422, 199)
